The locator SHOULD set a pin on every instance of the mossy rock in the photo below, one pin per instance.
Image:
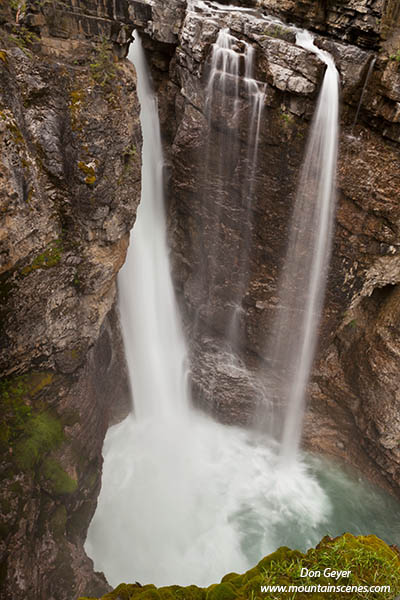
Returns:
(50, 257)
(126, 591)
(60, 481)
(148, 594)
(43, 432)
(370, 561)
(229, 577)
(221, 591)
(18, 395)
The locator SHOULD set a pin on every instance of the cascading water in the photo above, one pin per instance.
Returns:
(231, 162)
(302, 285)
(154, 343)
(367, 78)
(184, 499)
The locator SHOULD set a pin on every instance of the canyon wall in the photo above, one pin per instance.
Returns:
(70, 181)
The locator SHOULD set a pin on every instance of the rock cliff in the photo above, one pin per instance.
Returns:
(70, 180)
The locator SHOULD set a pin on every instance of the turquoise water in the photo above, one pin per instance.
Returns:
(349, 503)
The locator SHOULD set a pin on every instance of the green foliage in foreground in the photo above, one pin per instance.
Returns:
(371, 562)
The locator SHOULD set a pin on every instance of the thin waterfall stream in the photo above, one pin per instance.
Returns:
(360, 102)
(185, 499)
(303, 281)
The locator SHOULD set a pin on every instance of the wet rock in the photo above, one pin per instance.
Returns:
(70, 177)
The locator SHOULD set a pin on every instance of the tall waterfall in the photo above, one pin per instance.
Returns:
(302, 284)
(184, 499)
(153, 339)
(231, 163)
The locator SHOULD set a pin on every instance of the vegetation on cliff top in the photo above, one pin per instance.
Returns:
(370, 561)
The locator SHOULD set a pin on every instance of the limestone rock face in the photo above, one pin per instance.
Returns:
(354, 21)
(70, 179)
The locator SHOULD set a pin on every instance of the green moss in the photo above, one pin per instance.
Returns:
(16, 396)
(130, 152)
(222, 591)
(50, 257)
(371, 562)
(24, 38)
(395, 56)
(42, 433)
(148, 593)
(124, 592)
(229, 577)
(167, 594)
(27, 432)
(286, 118)
(276, 31)
(17, 5)
(61, 482)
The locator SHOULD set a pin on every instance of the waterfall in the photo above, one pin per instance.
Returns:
(303, 281)
(154, 343)
(230, 164)
(185, 500)
(367, 78)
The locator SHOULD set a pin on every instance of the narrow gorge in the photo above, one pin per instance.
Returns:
(210, 353)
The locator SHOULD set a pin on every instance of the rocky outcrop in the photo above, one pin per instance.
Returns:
(70, 179)
(357, 22)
